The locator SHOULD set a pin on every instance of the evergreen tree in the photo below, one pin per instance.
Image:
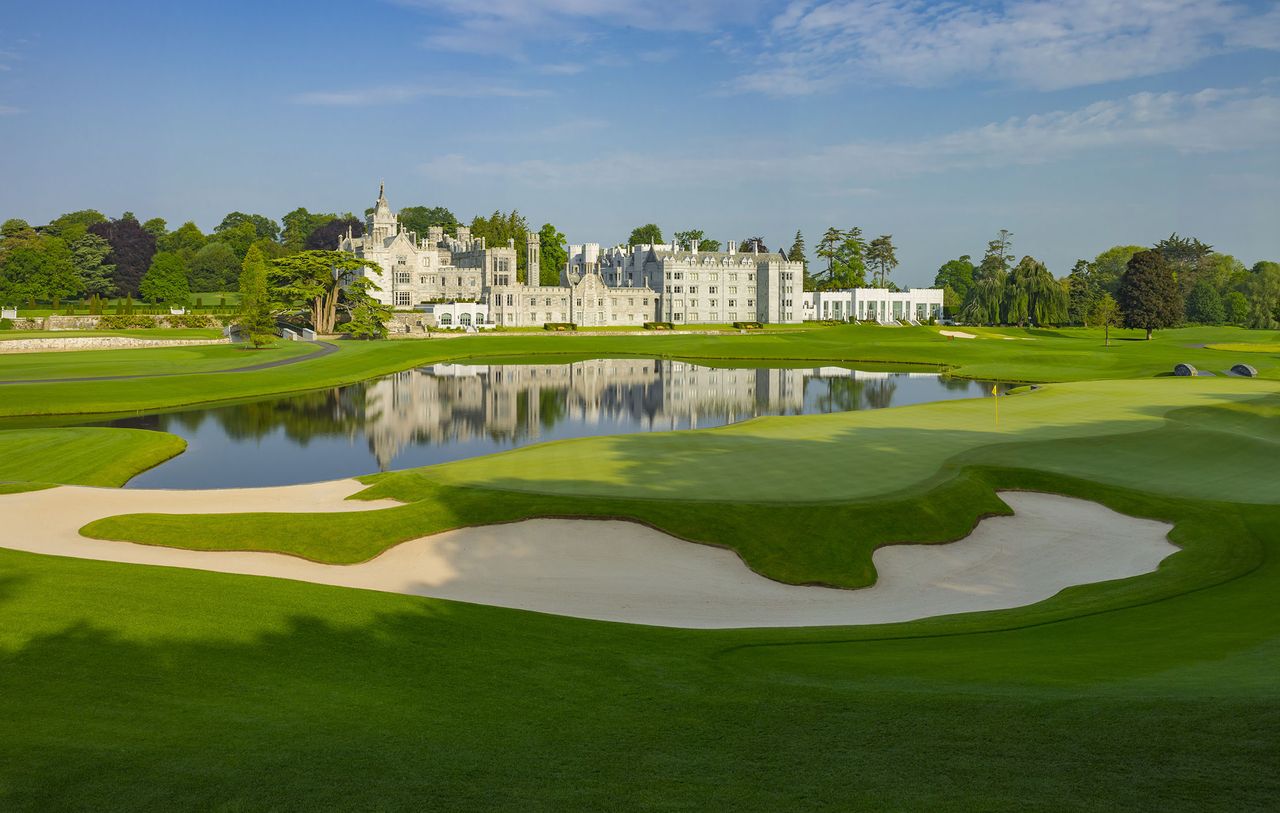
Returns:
(828, 249)
(797, 254)
(312, 282)
(1149, 296)
(366, 317)
(254, 316)
(1082, 292)
(850, 268)
(883, 257)
(89, 256)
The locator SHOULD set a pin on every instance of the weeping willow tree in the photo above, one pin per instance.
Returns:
(1032, 295)
(984, 303)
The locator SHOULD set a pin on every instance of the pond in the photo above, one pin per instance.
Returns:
(447, 412)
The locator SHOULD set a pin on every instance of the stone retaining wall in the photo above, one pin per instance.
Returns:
(96, 343)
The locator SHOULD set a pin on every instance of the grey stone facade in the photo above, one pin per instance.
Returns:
(617, 287)
(708, 287)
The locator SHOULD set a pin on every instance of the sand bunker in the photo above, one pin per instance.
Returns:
(621, 571)
(957, 334)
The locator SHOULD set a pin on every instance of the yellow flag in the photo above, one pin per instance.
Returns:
(993, 390)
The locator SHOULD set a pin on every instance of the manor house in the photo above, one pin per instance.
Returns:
(481, 281)
(458, 280)
(699, 287)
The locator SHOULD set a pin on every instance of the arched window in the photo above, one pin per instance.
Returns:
(446, 318)
(464, 319)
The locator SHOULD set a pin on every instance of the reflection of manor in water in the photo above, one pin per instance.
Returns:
(457, 402)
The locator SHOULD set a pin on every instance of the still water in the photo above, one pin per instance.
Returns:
(451, 411)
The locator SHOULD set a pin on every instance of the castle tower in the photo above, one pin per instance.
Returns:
(533, 259)
(381, 222)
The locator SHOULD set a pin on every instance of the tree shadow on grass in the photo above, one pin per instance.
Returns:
(161, 688)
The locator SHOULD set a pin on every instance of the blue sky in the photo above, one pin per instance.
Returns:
(1076, 124)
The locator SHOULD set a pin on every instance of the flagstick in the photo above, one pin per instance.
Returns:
(996, 396)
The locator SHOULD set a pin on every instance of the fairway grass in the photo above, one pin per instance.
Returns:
(1053, 355)
(150, 361)
(126, 687)
(89, 456)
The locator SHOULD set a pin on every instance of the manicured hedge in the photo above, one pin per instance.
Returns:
(559, 326)
(659, 326)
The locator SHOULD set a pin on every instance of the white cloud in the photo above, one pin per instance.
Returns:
(502, 27)
(400, 94)
(1208, 121)
(562, 69)
(1041, 44)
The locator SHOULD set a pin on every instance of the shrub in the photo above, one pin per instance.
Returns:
(748, 326)
(192, 320)
(126, 322)
(559, 326)
(659, 326)
(6, 324)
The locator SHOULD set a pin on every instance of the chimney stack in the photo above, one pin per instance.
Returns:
(733, 246)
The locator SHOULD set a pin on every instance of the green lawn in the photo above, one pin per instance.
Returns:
(148, 361)
(126, 687)
(91, 456)
(1048, 355)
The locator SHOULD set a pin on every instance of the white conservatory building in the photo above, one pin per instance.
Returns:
(881, 305)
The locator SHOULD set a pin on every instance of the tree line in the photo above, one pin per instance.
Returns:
(85, 254)
(1179, 280)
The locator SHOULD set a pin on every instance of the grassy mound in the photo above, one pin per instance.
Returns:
(89, 456)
